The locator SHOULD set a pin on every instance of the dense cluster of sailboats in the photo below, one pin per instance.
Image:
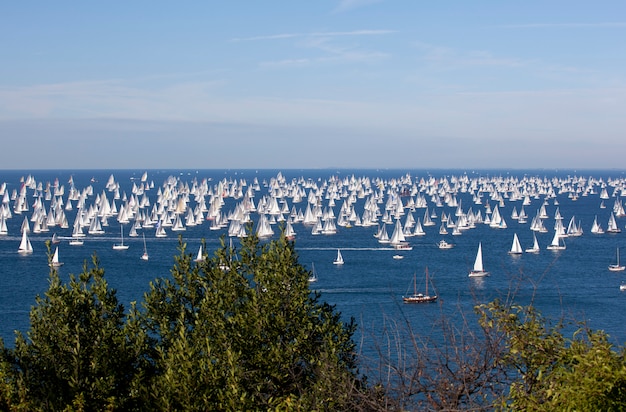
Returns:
(405, 204)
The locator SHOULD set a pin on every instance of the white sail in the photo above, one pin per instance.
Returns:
(199, 257)
(557, 242)
(516, 247)
(25, 245)
(478, 262)
(339, 259)
(595, 227)
(535, 248)
(55, 259)
(478, 270)
(145, 255)
(397, 237)
(612, 225)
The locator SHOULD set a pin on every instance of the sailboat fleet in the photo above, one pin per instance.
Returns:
(405, 206)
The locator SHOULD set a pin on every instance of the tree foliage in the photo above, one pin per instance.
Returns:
(81, 352)
(238, 331)
(551, 372)
(247, 334)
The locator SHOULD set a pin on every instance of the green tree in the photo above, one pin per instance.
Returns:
(242, 331)
(549, 372)
(78, 353)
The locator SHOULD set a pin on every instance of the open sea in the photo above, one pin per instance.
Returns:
(572, 282)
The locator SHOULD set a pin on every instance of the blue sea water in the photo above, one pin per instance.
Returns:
(574, 282)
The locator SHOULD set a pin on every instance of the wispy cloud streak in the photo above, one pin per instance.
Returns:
(316, 34)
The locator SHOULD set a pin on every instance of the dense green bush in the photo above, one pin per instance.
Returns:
(238, 331)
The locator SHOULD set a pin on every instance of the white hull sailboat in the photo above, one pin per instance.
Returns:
(145, 255)
(617, 267)
(339, 259)
(55, 263)
(199, 257)
(121, 245)
(478, 270)
(557, 242)
(25, 247)
(419, 297)
(535, 248)
(516, 247)
(612, 225)
(313, 275)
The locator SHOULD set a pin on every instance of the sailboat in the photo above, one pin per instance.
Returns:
(617, 267)
(313, 276)
(398, 240)
(478, 270)
(339, 259)
(145, 255)
(557, 242)
(55, 263)
(612, 225)
(199, 257)
(535, 248)
(121, 245)
(25, 245)
(419, 297)
(516, 247)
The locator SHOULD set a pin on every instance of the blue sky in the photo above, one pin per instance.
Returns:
(313, 84)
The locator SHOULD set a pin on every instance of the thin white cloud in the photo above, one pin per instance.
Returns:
(342, 57)
(353, 33)
(316, 34)
(323, 42)
(269, 37)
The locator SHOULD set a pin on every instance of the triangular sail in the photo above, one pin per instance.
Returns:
(516, 247)
(478, 263)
